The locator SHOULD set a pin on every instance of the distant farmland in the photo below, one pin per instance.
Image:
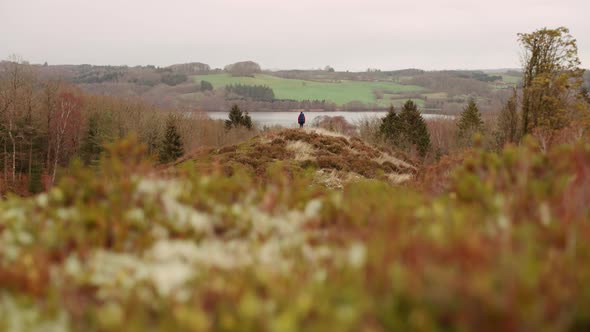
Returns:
(339, 92)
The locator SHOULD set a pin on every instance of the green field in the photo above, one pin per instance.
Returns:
(511, 79)
(341, 92)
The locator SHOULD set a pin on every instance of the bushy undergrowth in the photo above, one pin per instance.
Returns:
(503, 245)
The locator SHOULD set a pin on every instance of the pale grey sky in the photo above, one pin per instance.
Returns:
(349, 35)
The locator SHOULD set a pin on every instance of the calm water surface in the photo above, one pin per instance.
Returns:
(289, 119)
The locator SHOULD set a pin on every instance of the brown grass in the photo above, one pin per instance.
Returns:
(348, 157)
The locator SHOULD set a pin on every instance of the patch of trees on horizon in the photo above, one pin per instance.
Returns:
(254, 92)
(243, 68)
(191, 68)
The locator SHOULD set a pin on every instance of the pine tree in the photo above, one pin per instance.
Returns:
(91, 144)
(171, 147)
(35, 183)
(414, 129)
(469, 123)
(391, 127)
(247, 121)
(238, 119)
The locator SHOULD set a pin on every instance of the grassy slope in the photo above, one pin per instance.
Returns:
(337, 92)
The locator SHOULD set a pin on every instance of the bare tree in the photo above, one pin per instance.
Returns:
(15, 98)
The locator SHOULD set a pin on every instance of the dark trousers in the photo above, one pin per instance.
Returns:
(300, 125)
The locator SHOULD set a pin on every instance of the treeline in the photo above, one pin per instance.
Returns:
(142, 75)
(217, 101)
(478, 75)
(450, 82)
(552, 105)
(44, 124)
(254, 92)
(379, 75)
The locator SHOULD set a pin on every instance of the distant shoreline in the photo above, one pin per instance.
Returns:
(335, 111)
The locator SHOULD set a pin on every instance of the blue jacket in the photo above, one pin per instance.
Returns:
(301, 118)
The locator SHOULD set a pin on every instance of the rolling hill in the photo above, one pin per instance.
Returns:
(339, 92)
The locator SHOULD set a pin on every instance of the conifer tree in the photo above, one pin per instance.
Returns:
(172, 147)
(247, 122)
(91, 144)
(391, 127)
(414, 130)
(35, 184)
(238, 119)
(469, 123)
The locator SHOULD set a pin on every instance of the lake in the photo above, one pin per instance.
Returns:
(289, 119)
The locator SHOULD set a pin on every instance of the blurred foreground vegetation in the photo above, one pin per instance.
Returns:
(501, 244)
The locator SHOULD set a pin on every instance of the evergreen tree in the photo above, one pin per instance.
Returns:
(414, 130)
(35, 184)
(469, 123)
(247, 121)
(171, 147)
(91, 144)
(238, 119)
(391, 127)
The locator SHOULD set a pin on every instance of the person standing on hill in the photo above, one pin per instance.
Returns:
(301, 120)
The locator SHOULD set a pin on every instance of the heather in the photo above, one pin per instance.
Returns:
(126, 246)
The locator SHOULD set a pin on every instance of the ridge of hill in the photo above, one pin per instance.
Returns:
(335, 158)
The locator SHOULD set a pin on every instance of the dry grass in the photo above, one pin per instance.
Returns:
(399, 178)
(334, 179)
(303, 151)
(324, 132)
(338, 158)
(387, 158)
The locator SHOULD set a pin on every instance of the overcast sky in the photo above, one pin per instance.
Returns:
(348, 35)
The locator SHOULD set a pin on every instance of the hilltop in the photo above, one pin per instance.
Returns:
(334, 159)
